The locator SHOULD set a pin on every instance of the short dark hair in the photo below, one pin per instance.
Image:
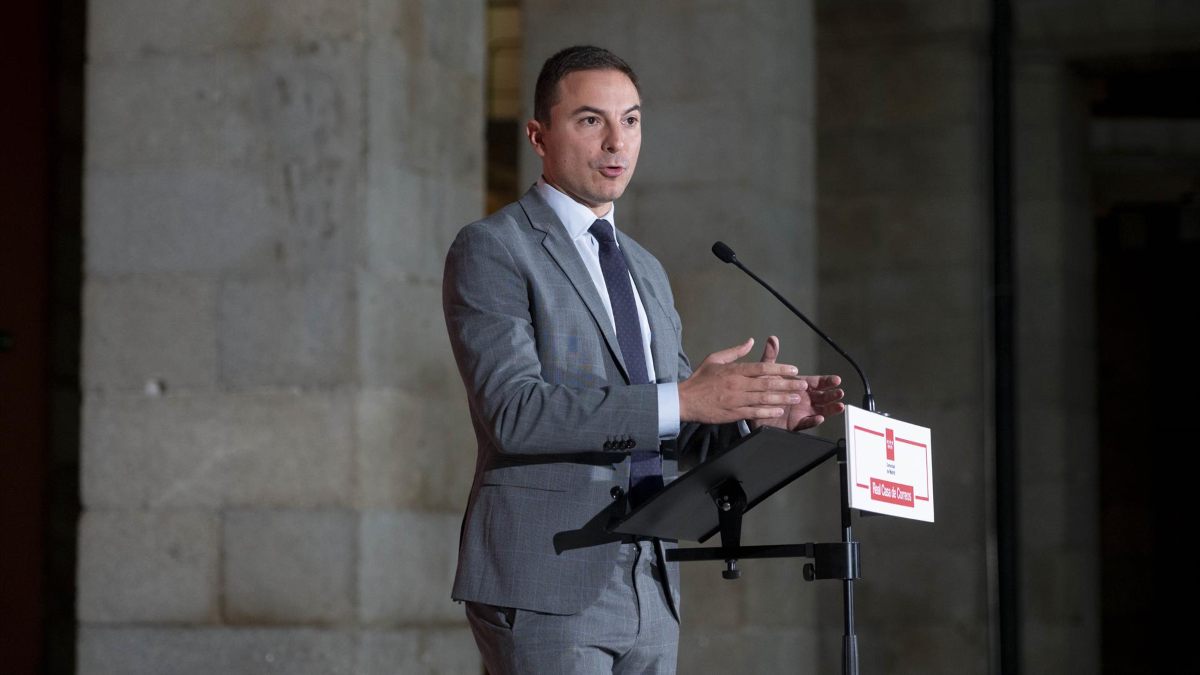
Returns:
(570, 60)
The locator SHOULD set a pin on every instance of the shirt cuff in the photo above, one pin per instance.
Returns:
(743, 428)
(668, 410)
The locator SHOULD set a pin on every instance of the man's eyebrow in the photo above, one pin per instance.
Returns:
(597, 111)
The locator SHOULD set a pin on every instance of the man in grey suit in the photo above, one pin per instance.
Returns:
(569, 345)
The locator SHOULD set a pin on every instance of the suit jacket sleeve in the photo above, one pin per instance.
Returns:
(487, 296)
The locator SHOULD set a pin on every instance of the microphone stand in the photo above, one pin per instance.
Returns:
(849, 637)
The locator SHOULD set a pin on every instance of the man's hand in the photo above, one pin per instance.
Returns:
(722, 391)
(821, 398)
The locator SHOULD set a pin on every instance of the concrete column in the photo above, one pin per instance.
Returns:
(1059, 468)
(273, 427)
(727, 153)
(904, 222)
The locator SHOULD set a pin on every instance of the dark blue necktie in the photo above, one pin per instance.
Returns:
(645, 469)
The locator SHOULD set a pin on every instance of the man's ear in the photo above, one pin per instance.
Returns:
(534, 131)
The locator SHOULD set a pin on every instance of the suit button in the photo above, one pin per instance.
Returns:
(617, 492)
(630, 443)
(608, 445)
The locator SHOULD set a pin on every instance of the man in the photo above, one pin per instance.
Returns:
(568, 342)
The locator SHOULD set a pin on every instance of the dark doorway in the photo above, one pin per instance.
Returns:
(1146, 192)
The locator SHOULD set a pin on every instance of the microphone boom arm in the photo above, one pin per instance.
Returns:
(726, 254)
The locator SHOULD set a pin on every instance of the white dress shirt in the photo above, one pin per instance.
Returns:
(577, 218)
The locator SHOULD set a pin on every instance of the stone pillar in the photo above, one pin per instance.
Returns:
(904, 214)
(1059, 468)
(727, 153)
(273, 429)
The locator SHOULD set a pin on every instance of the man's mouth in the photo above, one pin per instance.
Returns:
(612, 170)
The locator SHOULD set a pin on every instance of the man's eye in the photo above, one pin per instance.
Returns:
(591, 120)
(631, 121)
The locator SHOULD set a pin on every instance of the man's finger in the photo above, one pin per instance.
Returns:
(760, 369)
(822, 381)
(808, 422)
(731, 354)
(826, 395)
(776, 383)
(756, 413)
(770, 350)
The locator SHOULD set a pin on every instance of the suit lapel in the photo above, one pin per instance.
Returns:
(563, 251)
(662, 345)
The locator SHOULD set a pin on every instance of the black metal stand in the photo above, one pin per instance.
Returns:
(712, 498)
(838, 560)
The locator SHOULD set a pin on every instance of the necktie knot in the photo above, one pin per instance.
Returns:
(603, 232)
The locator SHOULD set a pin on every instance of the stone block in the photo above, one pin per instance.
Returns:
(424, 116)
(403, 340)
(412, 219)
(790, 175)
(1062, 585)
(285, 126)
(949, 587)
(408, 560)
(204, 651)
(904, 649)
(1051, 647)
(671, 51)
(608, 27)
(144, 332)
(449, 651)
(1040, 172)
(778, 596)
(710, 603)
(289, 567)
(148, 567)
(939, 161)
(948, 229)
(932, 301)
(904, 368)
(838, 23)
(287, 331)
(451, 33)
(278, 104)
(180, 451)
(912, 86)
(1040, 87)
(129, 29)
(415, 451)
(692, 143)
(178, 220)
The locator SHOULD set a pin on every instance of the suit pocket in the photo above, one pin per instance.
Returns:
(534, 476)
(549, 476)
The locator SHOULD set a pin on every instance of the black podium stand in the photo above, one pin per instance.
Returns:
(713, 497)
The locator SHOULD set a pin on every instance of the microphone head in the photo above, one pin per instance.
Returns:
(723, 252)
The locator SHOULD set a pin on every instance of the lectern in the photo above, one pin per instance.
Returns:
(713, 497)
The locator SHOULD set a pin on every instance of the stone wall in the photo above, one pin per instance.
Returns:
(903, 174)
(1060, 563)
(273, 429)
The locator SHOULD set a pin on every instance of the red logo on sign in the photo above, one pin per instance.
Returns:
(892, 493)
(891, 445)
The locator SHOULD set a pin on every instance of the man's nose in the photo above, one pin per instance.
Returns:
(614, 141)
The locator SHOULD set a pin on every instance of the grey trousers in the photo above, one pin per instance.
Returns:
(628, 629)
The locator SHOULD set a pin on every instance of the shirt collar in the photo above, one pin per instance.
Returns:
(576, 217)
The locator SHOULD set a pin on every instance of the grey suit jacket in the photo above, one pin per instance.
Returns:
(553, 411)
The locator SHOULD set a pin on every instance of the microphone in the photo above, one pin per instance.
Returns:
(727, 255)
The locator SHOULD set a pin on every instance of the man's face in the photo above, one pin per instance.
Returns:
(590, 148)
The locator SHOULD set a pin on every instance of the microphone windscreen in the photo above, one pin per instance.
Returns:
(723, 252)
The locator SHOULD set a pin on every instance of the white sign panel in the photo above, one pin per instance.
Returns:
(889, 465)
